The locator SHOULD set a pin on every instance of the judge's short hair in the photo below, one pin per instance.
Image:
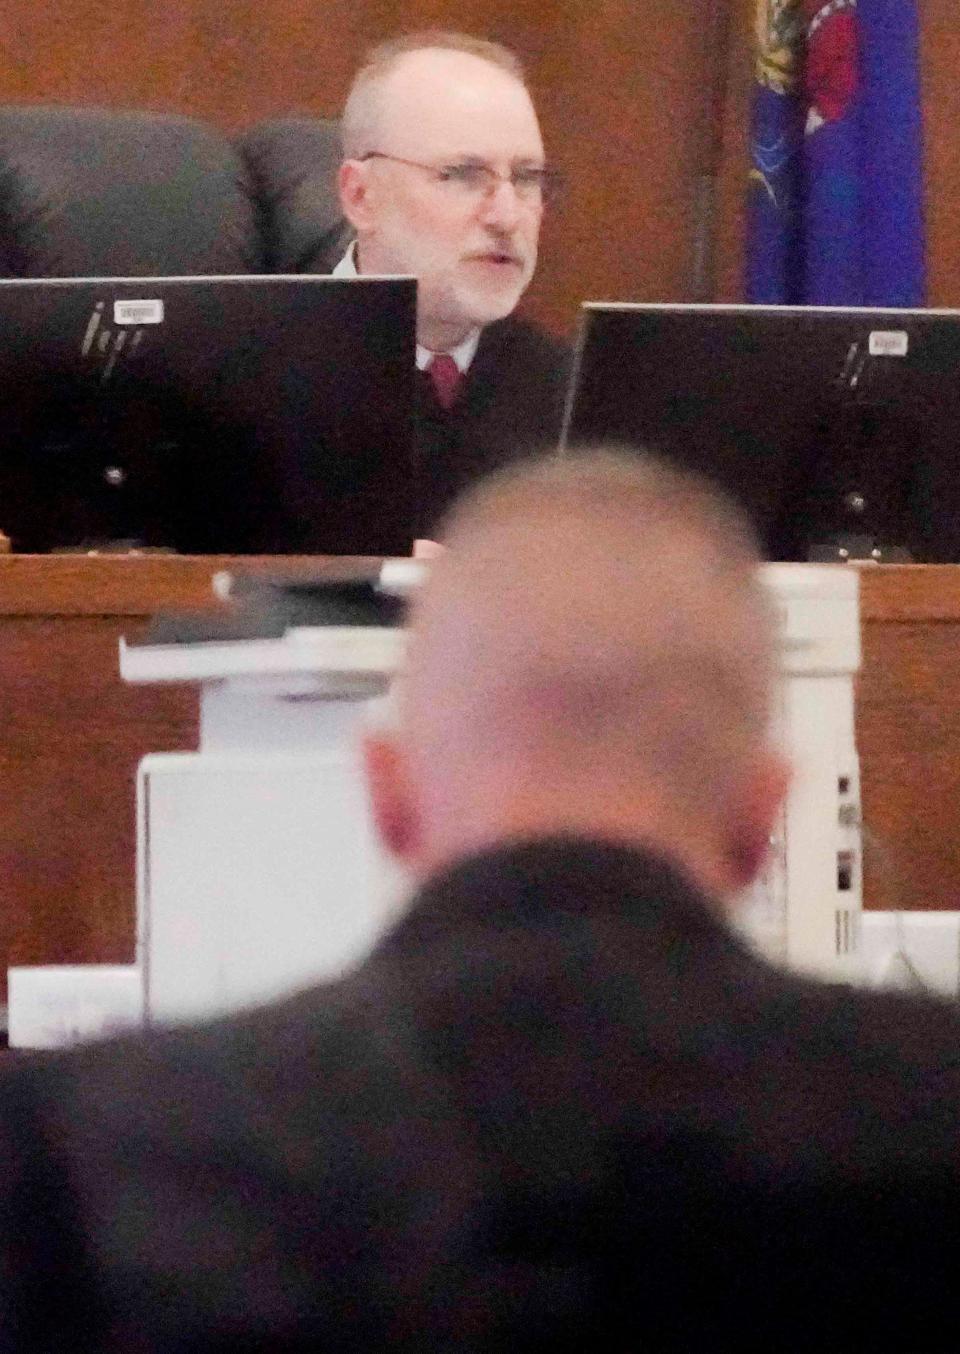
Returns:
(360, 121)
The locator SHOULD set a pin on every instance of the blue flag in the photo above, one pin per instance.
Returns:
(835, 203)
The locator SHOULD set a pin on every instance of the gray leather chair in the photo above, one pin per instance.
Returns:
(96, 192)
(292, 164)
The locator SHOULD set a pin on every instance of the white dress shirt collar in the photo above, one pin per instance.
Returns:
(463, 354)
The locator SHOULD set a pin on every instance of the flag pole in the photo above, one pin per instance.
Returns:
(717, 36)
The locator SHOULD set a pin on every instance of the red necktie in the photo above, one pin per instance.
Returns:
(446, 376)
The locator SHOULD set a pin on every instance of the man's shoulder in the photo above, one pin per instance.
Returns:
(255, 1079)
(246, 1165)
(547, 882)
(658, 912)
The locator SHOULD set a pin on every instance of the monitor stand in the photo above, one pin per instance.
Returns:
(846, 548)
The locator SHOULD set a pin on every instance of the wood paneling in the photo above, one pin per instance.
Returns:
(908, 734)
(732, 175)
(623, 114)
(71, 735)
(232, 61)
(940, 60)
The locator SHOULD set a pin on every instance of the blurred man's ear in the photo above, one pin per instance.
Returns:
(353, 184)
(754, 818)
(392, 801)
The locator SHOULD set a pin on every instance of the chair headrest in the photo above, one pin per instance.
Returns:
(293, 164)
(98, 192)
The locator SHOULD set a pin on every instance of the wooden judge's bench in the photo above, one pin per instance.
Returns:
(72, 733)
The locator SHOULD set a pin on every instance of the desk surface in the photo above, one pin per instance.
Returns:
(140, 585)
(136, 585)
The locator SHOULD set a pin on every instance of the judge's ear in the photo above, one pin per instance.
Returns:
(354, 185)
(392, 802)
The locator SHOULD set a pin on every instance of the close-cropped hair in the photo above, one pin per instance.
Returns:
(359, 121)
(685, 632)
(599, 478)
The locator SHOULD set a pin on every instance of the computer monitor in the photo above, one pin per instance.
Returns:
(208, 414)
(838, 429)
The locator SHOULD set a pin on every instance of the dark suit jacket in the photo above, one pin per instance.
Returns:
(560, 1108)
(510, 405)
(276, 498)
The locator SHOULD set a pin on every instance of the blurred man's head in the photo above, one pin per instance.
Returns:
(594, 654)
(443, 177)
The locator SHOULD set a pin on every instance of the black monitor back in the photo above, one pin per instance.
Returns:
(236, 415)
(837, 429)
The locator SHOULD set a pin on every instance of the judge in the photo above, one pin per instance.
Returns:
(445, 178)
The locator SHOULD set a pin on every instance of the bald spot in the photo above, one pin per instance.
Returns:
(432, 98)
